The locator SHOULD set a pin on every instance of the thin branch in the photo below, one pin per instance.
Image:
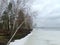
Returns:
(15, 32)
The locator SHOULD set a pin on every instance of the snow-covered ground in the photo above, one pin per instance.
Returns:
(20, 41)
(40, 37)
(48, 15)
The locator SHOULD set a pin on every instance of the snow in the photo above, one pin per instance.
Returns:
(48, 16)
(43, 37)
(20, 41)
(40, 37)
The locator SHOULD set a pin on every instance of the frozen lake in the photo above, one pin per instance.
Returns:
(40, 37)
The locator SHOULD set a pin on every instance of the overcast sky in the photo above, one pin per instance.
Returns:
(48, 12)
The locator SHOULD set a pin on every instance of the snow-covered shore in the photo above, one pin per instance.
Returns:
(40, 37)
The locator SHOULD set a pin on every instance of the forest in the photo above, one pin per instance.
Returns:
(11, 19)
